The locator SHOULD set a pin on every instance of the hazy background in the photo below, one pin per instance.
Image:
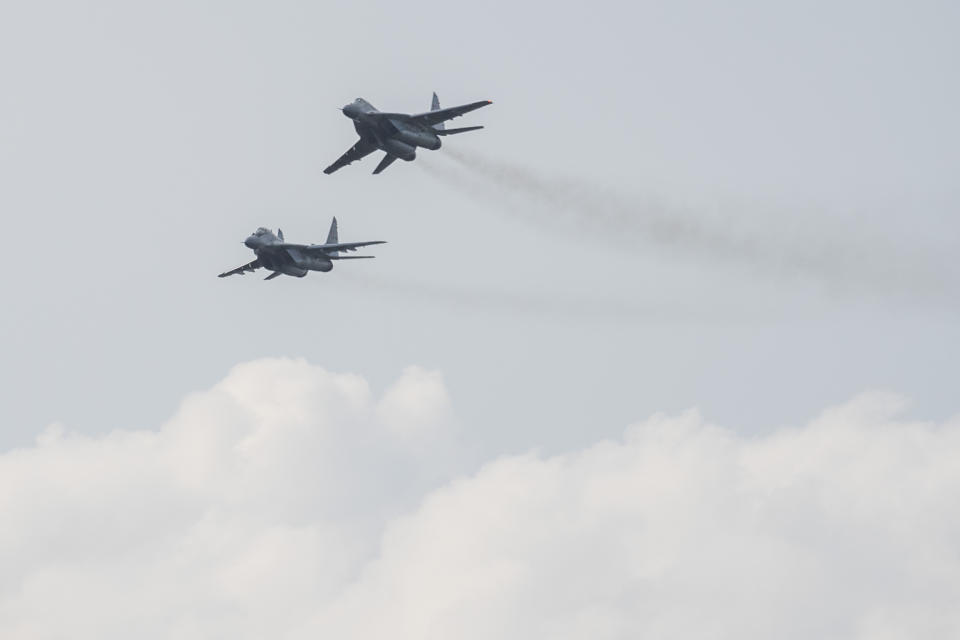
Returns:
(748, 208)
(490, 430)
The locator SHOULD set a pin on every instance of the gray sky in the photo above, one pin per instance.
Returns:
(141, 143)
(749, 208)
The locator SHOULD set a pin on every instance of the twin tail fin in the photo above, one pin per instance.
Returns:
(435, 106)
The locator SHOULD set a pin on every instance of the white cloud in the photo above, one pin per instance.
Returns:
(287, 502)
(253, 503)
(417, 404)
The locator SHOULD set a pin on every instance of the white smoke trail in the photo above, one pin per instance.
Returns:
(558, 306)
(781, 248)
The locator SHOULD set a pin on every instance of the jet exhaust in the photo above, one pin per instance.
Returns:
(561, 306)
(573, 205)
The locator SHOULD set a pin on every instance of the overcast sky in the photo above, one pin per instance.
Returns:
(748, 209)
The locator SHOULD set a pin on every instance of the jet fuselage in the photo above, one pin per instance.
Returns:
(275, 255)
(399, 134)
(286, 258)
(394, 135)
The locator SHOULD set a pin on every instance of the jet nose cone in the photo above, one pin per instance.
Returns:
(251, 242)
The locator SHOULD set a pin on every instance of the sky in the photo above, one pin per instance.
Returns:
(681, 318)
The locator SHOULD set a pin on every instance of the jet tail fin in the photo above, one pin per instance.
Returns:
(332, 236)
(450, 132)
(435, 106)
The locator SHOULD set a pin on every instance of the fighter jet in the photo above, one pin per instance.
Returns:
(295, 259)
(399, 134)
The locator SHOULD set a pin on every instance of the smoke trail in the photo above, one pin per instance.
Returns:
(561, 201)
(855, 264)
(557, 306)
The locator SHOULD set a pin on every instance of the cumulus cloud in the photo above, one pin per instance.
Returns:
(417, 404)
(256, 501)
(845, 528)
(288, 502)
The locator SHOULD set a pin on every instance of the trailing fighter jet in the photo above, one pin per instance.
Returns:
(399, 134)
(295, 259)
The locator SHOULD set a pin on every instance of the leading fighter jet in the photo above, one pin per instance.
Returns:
(399, 134)
(295, 259)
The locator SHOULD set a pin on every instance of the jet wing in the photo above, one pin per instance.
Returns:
(326, 248)
(357, 151)
(442, 115)
(250, 266)
(350, 246)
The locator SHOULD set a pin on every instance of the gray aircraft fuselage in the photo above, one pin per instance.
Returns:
(394, 135)
(287, 258)
(399, 134)
(275, 255)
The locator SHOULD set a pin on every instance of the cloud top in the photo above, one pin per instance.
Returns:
(287, 501)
